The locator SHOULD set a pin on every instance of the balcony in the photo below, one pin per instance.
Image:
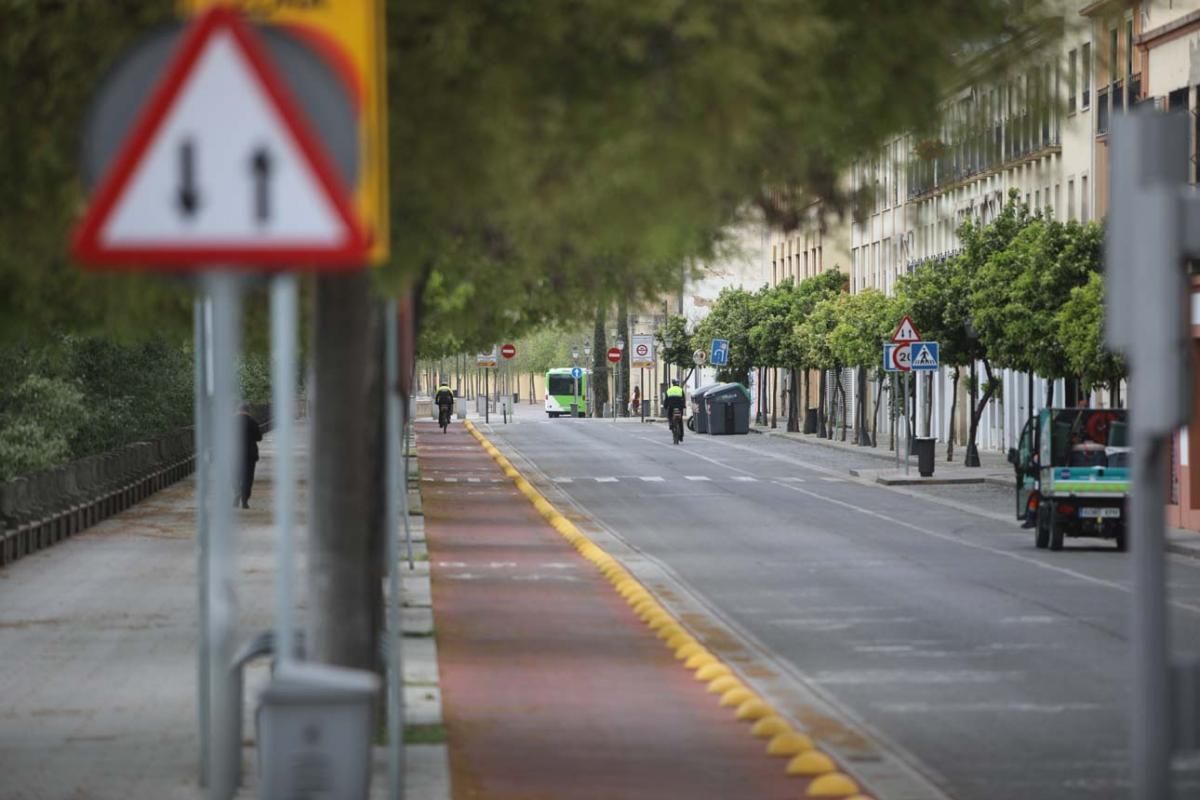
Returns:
(1135, 89)
(1117, 94)
(1102, 112)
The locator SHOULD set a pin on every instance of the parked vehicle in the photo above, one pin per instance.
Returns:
(1072, 474)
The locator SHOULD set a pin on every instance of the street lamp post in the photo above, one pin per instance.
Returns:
(622, 405)
(587, 354)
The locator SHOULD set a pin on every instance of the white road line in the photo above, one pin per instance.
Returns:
(451, 480)
(563, 480)
(793, 480)
(605, 480)
(652, 478)
(697, 477)
(745, 478)
(472, 480)
(833, 480)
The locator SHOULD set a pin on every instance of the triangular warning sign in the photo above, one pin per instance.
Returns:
(906, 333)
(921, 356)
(221, 170)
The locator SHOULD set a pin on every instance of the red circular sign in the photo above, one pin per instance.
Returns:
(614, 354)
(508, 351)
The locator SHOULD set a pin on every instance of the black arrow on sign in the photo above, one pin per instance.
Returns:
(261, 165)
(188, 196)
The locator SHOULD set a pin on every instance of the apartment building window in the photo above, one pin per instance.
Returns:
(1083, 199)
(1085, 63)
(1129, 48)
(1057, 200)
(1072, 80)
(1114, 55)
(1071, 199)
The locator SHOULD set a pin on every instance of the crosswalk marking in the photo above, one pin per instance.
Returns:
(697, 477)
(606, 480)
(451, 480)
(793, 479)
(564, 480)
(472, 480)
(744, 478)
(652, 478)
(832, 480)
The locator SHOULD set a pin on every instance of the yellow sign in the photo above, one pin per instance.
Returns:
(356, 28)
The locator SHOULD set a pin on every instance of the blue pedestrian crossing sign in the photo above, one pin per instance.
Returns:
(924, 356)
(576, 372)
(718, 354)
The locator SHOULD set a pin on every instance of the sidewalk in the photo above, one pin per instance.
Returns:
(99, 641)
(552, 687)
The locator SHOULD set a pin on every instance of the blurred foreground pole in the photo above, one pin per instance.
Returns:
(224, 291)
(1147, 321)
(202, 394)
(284, 319)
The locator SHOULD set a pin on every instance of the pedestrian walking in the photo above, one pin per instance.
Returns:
(635, 405)
(249, 435)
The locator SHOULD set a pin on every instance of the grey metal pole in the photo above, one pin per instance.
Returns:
(225, 291)
(284, 294)
(1152, 712)
(201, 327)
(907, 426)
(895, 427)
(396, 487)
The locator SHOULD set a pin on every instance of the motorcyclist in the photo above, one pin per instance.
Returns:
(674, 400)
(444, 398)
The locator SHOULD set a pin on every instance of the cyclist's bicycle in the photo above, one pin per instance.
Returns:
(444, 416)
(677, 426)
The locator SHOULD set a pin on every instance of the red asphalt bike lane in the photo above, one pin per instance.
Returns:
(551, 685)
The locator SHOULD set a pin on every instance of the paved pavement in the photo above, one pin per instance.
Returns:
(98, 641)
(923, 616)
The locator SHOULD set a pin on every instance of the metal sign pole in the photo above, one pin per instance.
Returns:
(202, 382)
(284, 293)
(907, 426)
(225, 291)
(396, 488)
(895, 427)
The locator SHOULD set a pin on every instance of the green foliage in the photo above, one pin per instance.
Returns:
(38, 420)
(596, 148)
(1081, 334)
(81, 395)
(679, 353)
(732, 317)
(51, 58)
(864, 322)
(254, 378)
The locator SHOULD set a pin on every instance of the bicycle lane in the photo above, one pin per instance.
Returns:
(552, 687)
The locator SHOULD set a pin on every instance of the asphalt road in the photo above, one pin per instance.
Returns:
(998, 670)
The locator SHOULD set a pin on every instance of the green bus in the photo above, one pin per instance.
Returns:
(560, 392)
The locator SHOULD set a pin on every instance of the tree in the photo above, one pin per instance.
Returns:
(863, 323)
(679, 352)
(731, 318)
(599, 376)
(814, 343)
(968, 302)
(1081, 337)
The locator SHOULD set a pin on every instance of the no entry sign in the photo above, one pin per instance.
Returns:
(614, 354)
(508, 351)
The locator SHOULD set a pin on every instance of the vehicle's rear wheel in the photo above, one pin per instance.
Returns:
(1056, 530)
(552, 414)
(1041, 536)
(1121, 538)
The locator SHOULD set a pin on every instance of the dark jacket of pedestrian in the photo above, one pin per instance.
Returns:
(249, 435)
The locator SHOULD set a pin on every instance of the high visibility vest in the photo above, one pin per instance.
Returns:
(675, 391)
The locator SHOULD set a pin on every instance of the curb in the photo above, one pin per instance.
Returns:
(805, 759)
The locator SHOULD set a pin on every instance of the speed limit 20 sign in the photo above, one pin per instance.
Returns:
(897, 357)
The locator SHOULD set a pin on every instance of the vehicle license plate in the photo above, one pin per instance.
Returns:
(1100, 513)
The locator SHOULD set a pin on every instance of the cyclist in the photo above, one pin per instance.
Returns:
(674, 407)
(445, 401)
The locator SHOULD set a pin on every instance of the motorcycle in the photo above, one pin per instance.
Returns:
(677, 425)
